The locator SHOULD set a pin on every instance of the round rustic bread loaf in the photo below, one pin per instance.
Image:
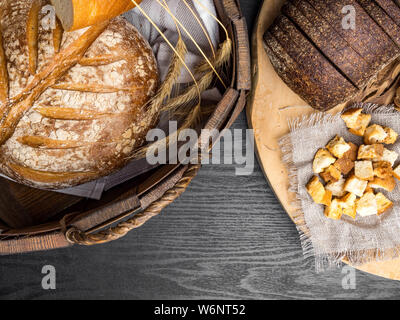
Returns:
(72, 105)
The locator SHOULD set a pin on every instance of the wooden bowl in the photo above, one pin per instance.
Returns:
(268, 114)
(32, 220)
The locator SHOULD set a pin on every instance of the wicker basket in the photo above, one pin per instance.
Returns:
(33, 220)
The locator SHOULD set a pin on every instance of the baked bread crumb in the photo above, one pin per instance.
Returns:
(338, 147)
(383, 203)
(387, 184)
(391, 137)
(337, 188)
(370, 152)
(356, 121)
(322, 160)
(375, 134)
(318, 193)
(331, 174)
(348, 204)
(364, 170)
(382, 169)
(389, 156)
(355, 185)
(367, 205)
(334, 210)
(396, 172)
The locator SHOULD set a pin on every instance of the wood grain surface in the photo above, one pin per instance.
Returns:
(227, 237)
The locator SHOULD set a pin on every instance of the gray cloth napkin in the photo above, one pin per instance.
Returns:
(163, 55)
(360, 241)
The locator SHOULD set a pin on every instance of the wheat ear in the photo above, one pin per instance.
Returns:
(204, 83)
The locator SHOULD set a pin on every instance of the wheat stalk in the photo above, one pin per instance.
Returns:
(204, 83)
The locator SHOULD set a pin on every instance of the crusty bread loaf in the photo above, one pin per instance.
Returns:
(76, 115)
(77, 14)
(340, 61)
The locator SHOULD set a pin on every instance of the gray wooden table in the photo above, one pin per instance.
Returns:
(227, 237)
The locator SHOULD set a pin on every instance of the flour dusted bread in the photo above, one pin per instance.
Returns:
(75, 115)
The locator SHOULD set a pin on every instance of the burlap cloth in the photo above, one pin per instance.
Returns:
(361, 240)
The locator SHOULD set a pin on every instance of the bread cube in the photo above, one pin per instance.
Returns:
(348, 204)
(370, 152)
(391, 137)
(338, 147)
(355, 185)
(383, 203)
(337, 188)
(331, 174)
(318, 193)
(334, 210)
(367, 205)
(389, 156)
(344, 165)
(356, 121)
(352, 153)
(396, 172)
(350, 117)
(322, 160)
(387, 184)
(374, 134)
(382, 169)
(364, 170)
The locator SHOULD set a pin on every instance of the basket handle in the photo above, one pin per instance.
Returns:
(79, 237)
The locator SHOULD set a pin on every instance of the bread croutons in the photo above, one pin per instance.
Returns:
(383, 203)
(364, 170)
(374, 134)
(356, 121)
(367, 205)
(318, 193)
(337, 188)
(338, 147)
(331, 174)
(391, 137)
(355, 185)
(370, 152)
(387, 184)
(322, 160)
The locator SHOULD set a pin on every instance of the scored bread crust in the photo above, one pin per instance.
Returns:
(80, 113)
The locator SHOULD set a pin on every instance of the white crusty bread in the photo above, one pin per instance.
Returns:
(337, 188)
(356, 121)
(334, 210)
(355, 185)
(367, 205)
(370, 152)
(383, 203)
(391, 137)
(322, 160)
(364, 170)
(77, 114)
(375, 134)
(318, 193)
(338, 147)
(387, 184)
